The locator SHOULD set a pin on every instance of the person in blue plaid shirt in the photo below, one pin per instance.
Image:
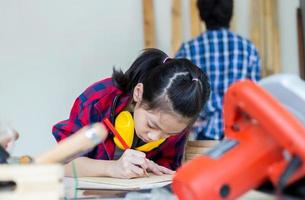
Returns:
(225, 56)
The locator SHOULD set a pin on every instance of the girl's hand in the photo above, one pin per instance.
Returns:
(131, 164)
(158, 169)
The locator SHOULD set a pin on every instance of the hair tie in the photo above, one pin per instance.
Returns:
(165, 59)
(195, 79)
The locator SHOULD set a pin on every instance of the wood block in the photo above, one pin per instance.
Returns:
(191, 156)
(202, 143)
(31, 181)
(196, 150)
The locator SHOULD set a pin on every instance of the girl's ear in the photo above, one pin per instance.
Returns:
(138, 92)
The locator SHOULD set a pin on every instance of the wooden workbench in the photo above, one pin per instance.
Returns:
(118, 195)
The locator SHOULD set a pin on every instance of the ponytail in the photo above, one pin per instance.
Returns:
(140, 68)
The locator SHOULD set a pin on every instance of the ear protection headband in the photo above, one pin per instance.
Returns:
(123, 130)
(124, 124)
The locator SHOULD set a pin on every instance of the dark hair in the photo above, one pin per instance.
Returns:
(169, 84)
(215, 13)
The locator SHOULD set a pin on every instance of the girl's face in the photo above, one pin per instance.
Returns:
(151, 125)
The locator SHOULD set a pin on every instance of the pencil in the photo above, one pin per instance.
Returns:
(146, 173)
(115, 133)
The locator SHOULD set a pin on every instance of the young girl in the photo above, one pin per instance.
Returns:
(164, 95)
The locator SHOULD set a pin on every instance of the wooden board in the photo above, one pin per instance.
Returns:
(176, 26)
(196, 25)
(191, 157)
(196, 150)
(151, 181)
(202, 143)
(32, 181)
(301, 41)
(233, 19)
(264, 32)
(149, 24)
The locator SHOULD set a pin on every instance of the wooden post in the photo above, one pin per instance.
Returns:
(272, 39)
(265, 34)
(196, 26)
(176, 26)
(255, 29)
(31, 181)
(233, 19)
(300, 28)
(149, 24)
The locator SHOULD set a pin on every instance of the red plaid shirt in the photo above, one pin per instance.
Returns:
(93, 105)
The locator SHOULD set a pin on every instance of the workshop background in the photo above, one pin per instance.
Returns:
(50, 51)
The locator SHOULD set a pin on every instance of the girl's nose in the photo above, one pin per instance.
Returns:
(154, 135)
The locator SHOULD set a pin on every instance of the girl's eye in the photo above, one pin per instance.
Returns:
(149, 126)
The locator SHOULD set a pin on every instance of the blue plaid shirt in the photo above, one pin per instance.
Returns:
(226, 58)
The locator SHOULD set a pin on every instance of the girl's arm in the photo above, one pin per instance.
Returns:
(131, 164)
(89, 167)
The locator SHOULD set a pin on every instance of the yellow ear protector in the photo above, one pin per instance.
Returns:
(124, 126)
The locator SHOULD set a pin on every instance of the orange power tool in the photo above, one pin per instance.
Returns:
(263, 141)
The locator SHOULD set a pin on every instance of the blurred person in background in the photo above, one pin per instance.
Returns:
(225, 56)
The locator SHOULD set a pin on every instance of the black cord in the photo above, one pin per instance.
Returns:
(113, 107)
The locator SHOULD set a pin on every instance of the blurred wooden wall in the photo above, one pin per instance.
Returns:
(264, 30)
(196, 25)
(301, 36)
(176, 28)
(264, 33)
(149, 24)
(176, 34)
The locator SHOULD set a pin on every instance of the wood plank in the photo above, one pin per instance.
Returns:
(300, 29)
(272, 37)
(176, 35)
(196, 24)
(191, 157)
(149, 24)
(301, 38)
(202, 143)
(256, 28)
(33, 181)
(264, 33)
(233, 19)
(198, 150)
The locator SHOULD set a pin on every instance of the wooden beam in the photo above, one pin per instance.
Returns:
(149, 24)
(196, 25)
(233, 19)
(255, 28)
(272, 37)
(176, 36)
(300, 29)
(32, 181)
(265, 34)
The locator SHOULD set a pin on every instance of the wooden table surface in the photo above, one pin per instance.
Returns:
(118, 195)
